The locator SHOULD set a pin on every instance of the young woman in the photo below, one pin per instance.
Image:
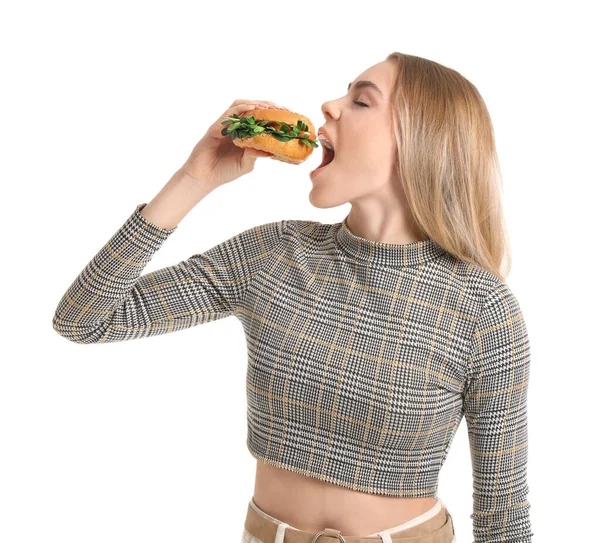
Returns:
(369, 339)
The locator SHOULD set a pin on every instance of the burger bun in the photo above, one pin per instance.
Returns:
(292, 151)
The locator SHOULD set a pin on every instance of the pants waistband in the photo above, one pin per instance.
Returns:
(433, 526)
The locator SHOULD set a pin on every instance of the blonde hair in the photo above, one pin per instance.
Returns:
(447, 162)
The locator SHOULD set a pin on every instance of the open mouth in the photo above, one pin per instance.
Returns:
(328, 156)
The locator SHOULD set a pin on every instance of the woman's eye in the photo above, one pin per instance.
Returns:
(361, 104)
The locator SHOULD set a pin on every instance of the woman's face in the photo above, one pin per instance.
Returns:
(363, 140)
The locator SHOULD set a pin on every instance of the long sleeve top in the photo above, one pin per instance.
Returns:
(363, 356)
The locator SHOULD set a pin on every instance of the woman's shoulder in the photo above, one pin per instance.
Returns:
(488, 288)
(310, 229)
(300, 224)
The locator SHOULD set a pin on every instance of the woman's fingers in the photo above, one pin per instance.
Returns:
(240, 108)
(249, 106)
(272, 104)
(259, 103)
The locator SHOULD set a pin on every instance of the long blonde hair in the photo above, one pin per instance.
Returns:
(447, 162)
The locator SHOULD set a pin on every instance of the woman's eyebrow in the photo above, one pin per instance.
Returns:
(361, 84)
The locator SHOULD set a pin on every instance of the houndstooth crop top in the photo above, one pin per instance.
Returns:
(363, 356)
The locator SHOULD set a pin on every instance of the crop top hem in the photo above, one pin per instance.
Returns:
(423, 493)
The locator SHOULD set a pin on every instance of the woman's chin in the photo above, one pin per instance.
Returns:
(314, 199)
(322, 198)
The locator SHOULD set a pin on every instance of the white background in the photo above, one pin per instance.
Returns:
(144, 441)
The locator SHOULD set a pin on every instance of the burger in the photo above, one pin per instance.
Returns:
(286, 135)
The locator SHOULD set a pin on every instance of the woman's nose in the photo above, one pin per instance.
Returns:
(328, 108)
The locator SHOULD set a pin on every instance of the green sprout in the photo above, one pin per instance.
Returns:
(248, 127)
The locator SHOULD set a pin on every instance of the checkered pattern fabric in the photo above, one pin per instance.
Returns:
(363, 356)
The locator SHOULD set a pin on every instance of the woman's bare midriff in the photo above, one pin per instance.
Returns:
(312, 505)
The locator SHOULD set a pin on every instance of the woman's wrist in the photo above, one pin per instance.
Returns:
(175, 200)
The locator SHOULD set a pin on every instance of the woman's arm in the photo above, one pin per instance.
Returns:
(495, 404)
(111, 301)
(175, 200)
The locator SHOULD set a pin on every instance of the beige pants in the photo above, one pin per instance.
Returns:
(384, 535)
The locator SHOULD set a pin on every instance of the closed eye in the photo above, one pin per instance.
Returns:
(360, 103)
